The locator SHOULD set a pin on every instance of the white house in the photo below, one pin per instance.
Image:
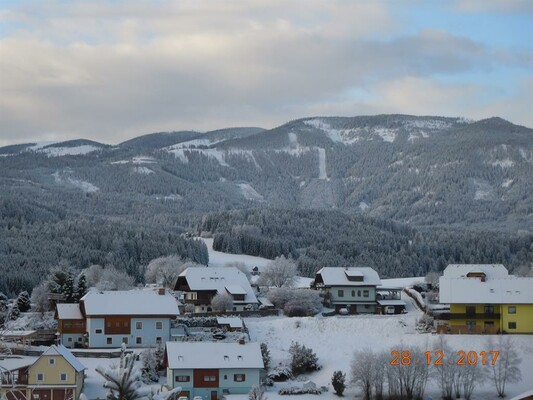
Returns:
(138, 318)
(350, 288)
(201, 284)
(213, 369)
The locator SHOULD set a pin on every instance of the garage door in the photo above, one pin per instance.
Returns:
(42, 394)
(62, 394)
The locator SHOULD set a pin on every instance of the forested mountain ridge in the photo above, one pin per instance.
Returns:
(416, 170)
(86, 202)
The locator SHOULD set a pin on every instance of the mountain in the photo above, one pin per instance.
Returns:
(418, 170)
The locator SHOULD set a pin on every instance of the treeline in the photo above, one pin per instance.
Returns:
(32, 244)
(335, 239)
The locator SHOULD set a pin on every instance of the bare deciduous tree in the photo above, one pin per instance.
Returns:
(506, 369)
(279, 273)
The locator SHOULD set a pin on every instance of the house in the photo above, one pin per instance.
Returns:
(350, 288)
(201, 284)
(138, 318)
(484, 298)
(213, 369)
(55, 375)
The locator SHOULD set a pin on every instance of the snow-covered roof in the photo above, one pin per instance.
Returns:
(391, 302)
(233, 322)
(69, 311)
(235, 289)
(60, 350)
(340, 276)
(130, 302)
(496, 286)
(219, 279)
(462, 270)
(264, 301)
(16, 334)
(188, 355)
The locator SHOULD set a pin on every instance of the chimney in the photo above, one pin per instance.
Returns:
(241, 340)
(161, 291)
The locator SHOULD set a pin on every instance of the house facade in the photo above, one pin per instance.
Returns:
(213, 370)
(350, 288)
(138, 318)
(201, 284)
(55, 375)
(485, 298)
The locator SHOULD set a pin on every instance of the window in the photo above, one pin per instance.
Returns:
(489, 309)
(69, 339)
(359, 293)
(183, 378)
(51, 361)
(117, 324)
(138, 325)
(63, 377)
(40, 377)
(365, 293)
(512, 310)
(341, 293)
(470, 310)
(158, 340)
(210, 378)
(239, 377)
(108, 324)
(79, 339)
(109, 340)
(158, 325)
(138, 340)
(225, 377)
(353, 293)
(512, 325)
(98, 331)
(125, 340)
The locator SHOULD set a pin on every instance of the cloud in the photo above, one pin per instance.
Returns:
(109, 71)
(506, 6)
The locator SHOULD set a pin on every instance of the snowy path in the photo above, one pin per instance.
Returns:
(322, 164)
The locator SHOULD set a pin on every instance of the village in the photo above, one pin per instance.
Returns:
(218, 334)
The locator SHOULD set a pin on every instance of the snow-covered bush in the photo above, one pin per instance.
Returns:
(257, 393)
(279, 273)
(298, 390)
(303, 359)
(338, 381)
(300, 302)
(280, 374)
(222, 302)
(149, 366)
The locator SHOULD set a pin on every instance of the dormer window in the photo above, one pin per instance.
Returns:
(226, 358)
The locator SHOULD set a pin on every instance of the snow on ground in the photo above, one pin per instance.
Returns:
(402, 282)
(387, 134)
(68, 151)
(86, 187)
(334, 339)
(249, 193)
(143, 170)
(506, 163)
(39, 145)
(218, 258)
(483, 190)
(507, 182)
(322, 164)
(209, 153)
(293, 139)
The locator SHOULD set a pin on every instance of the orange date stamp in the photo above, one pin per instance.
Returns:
(438, 357)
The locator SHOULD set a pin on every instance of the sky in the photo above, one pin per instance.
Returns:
(112, 70)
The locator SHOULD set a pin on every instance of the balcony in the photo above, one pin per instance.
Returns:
(448, 316)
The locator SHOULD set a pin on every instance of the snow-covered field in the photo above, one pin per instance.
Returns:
(218, 259)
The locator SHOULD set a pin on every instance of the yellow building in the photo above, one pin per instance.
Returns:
(484, 298)
(55, 375)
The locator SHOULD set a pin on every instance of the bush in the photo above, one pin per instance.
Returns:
(299, 302)
(265, 353)
(297, 390)
(338, 381)
(303, 359)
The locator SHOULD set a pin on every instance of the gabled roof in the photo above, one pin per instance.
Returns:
(341, 276)
(60, 350)
(495, 286)
(129, 302)
(233, 322)
(68, 311)
(188, 355)
(219, 279)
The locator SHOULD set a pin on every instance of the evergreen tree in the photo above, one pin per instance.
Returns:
(14, 312)
(338, 380)
(69, 290)
(23, 301)
(81, 287)
(3, 302)
(265, 353)
(303, 359)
